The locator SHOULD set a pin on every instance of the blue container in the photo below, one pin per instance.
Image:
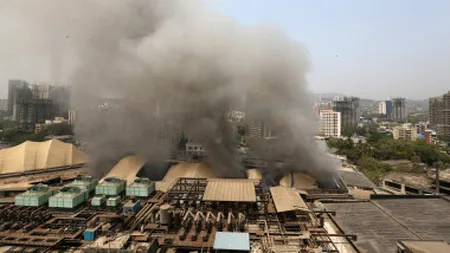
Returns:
(89, 234)
(133, 207)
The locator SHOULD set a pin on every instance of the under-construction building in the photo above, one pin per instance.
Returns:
(349, 109)
(30, 104)
(439, 108)
(398, 109)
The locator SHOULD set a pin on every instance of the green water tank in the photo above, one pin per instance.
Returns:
(141, 187)
(110, 186)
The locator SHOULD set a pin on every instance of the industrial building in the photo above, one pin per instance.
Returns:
(190, 209)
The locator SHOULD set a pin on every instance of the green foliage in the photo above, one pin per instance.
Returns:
(11, 132)
(59, 129)
(385, 148)
(373, 168)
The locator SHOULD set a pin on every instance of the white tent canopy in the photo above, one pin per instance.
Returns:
(30, 156)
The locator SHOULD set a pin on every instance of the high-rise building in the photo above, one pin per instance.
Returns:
(13, 86)
(399, 109)
(439, 108)
(388, 109)
(382, 107)
(349, 109)
(330, 123)
(404, 133)
(4, 105)
(33, 104)
(322, 106)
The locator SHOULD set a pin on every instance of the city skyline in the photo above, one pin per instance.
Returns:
(370, 50)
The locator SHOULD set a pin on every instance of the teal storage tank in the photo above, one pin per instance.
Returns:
(86, 183)
(37, 195)
(110, 186)
(113, 201)
(98, 201)
(141, 187)
(68, 197)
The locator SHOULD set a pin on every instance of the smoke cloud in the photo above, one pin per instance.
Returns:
(143, 71)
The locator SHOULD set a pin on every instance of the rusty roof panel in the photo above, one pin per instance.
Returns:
(235, 190)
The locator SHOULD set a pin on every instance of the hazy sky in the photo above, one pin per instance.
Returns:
(385, 48)
(373, 49)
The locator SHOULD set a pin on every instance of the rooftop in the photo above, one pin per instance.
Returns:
(380, 223)
(425, 246)
(68, 192)
(83, 180)
(242, 190)
(232, 241)
(417, 180)
(141, 182)
(356, 179)
(287, 199)
(36, 190)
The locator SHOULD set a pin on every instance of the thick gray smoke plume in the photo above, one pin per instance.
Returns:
(149, 69)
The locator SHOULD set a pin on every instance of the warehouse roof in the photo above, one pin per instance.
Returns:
(232, 241)
(380, 223)
(287, 199)
(126, 169)
(30, 156)
(356, 179)
(239, 190)
(425, 246)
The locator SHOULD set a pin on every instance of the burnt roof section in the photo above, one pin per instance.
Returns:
(380, 223)
(356, 179)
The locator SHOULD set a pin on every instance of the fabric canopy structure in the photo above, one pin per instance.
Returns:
(30, 156)
(127, 168)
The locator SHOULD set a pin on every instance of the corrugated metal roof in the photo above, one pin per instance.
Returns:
(356, 179)
(287, 199)
(238, 190)
(232, 241)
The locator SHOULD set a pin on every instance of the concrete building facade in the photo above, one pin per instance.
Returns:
(382, 107)
(439, 109)
(388, 109)
(330, 123)
(399, 109)
(404, 133)
(349, 110)
(33, 104)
